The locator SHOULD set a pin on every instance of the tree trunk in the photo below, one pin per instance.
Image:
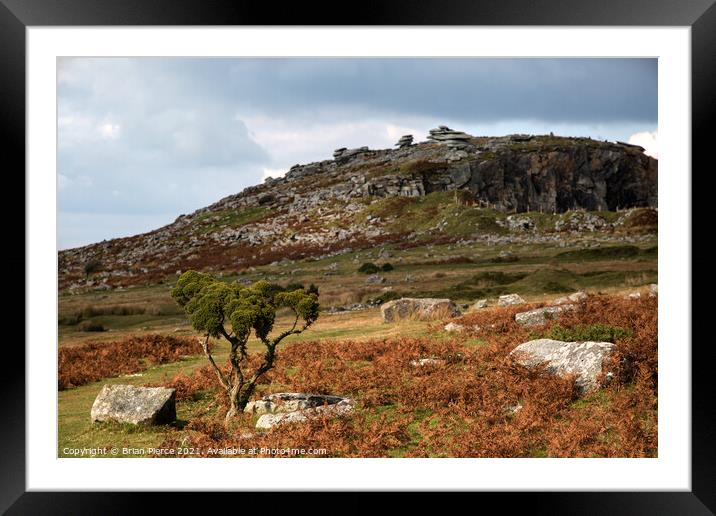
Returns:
(239, 397)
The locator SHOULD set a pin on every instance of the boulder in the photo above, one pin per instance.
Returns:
(375, 279)
(581, 359)
(540, 316)
(653, 290)
(135, 405)
(577, 297)
(454, 327)
(423, 309)
(479, 304)
(283, 402)
(510, 300)
(342, 408)
(422, 362)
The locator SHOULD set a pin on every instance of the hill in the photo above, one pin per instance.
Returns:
(452, 190)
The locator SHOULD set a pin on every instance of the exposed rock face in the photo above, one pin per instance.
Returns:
(540, 316)
(283, 402)
(340, 408)
(135, 405)
(510, 300)
(290, 215)
(422, 309)
(582, 359)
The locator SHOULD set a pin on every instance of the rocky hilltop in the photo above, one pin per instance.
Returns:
(453, 187)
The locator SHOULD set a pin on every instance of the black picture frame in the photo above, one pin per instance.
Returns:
(17, 15)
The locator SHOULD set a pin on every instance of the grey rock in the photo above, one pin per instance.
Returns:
(419, 308)
(283, 402)
(479, 304)
(135, 405)
(427, 362)
(653, 290)
(510, 300)
(375, 279)
(540, 316)
(582, 359)
(454, 328)
(341, 408)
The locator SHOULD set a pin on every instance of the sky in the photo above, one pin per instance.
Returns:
(143, 140)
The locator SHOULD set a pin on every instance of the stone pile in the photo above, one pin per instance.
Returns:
(343, 154)
(297, 407)
(453, 139)
(405, 141)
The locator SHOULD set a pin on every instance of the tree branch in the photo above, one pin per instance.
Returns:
(224, 382)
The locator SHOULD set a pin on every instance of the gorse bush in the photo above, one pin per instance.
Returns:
(386, 267)
(368, 268)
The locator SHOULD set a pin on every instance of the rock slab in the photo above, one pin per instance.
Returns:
(510, 300)
(135, 405)
(581, 359)
(283, 402)
(341, 408)
(419, 308)
(540, 316)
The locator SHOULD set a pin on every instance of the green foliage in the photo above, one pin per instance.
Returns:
(312, 289)
(368, 268)
(91, 326)
(210, 304)
(593, 332)
(387, 267)
(294, 286)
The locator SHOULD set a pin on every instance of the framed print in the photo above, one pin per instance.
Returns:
(447, 253)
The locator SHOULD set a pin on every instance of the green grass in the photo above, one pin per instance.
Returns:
(214, 220)
(583, 333)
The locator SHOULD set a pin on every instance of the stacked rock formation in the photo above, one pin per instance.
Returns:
(343, 154)
(405, 141)
(454, 139)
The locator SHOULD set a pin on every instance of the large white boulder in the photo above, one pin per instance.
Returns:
(582, 359)
(135, 405)
(418, 308)
(510, 300)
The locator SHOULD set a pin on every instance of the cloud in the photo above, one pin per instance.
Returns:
(648, 140)
(156, 136)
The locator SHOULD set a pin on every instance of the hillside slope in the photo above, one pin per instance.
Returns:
(493, 188)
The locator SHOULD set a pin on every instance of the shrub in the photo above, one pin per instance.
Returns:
(218, 309)
(312, 289)
(386, 267)
(368, 268)
(598, 332)
(91, 326)
(294, 286)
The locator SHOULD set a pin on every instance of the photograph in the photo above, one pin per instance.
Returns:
(357, 257)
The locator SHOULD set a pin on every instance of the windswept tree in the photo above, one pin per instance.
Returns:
(219, 309)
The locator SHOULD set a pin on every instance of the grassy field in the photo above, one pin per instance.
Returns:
(405, 413)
